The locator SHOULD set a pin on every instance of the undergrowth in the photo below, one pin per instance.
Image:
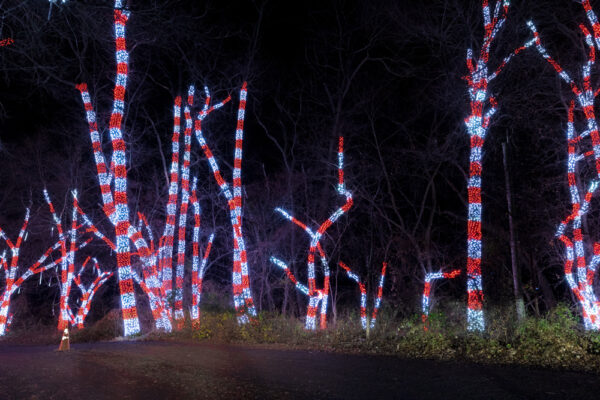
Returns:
(555, 340)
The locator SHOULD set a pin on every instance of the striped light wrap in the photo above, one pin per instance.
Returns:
(67, 274)
(87, 294)
(119, 164)
(10, 272)
(302, 288)
(581, 279)
(36, 268)
(314, 298)
(363, 293)
(148, 257)
(341, 189)
(166, 247)
(317, 296)
(483, 106)
(183, 211)
(104, 176)
(62, 316)
(425, 303)
(379, 295)
(570, 232)
(241, 281)
(198, 269)
(242, 295)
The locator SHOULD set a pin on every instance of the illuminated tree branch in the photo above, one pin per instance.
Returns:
(483, 106)
(242, 295)
(363, 295)
(425, 301)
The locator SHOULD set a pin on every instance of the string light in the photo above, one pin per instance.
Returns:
(429, 278)
(580, 271)
(483, 107)
(317, 296)
(363, 295)
(183, 210)
(242, 296)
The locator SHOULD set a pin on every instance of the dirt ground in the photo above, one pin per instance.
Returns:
(157, 370)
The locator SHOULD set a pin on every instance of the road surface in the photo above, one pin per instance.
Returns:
(159, 370)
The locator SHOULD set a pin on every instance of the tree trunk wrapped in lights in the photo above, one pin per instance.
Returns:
(242, 295)
(570, 231)
(425, 300)
(363, 295)
(318, 296)
(581, 278)
(11, 282)
(198, 268)
(87, 294)
(113, 186)
(183, 211)
(483, 106)
(117, 210)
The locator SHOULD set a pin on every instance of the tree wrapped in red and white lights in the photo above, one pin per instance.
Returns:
(425, 299)
(242, 294)
(580, 268)
(318, 296)
(367, 324)
(483, 105)
(113, 186)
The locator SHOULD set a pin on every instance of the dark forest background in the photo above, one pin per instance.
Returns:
(387, 75)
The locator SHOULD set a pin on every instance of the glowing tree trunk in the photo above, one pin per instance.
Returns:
(150, 285)
(62, 316)
(581, 278)
(198, 268)
(11, 282)
(68, 268)
(242, 295)
(183, 210)
(166, 242)
(363, 296)
(425, 300)
(319, 296)
(87, 294)
(117, 210)
(10, 273)
(581, 281)
(483, 107)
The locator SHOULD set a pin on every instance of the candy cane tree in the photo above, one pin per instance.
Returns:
(318, 296)
(113, 184)
(425, 299)
(581, 258)
(242, 295)
(483, 105)
(367, 324)
(11, 270)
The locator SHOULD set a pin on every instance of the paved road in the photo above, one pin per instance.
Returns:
(152, 370)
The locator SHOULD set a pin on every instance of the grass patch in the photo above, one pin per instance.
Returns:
(555, 341)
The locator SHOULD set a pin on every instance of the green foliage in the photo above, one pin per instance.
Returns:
(107, 328)
(555, 341)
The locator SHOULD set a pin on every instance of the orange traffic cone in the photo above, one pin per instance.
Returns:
(64, 342)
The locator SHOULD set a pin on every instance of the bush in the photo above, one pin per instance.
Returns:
(107, 328)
